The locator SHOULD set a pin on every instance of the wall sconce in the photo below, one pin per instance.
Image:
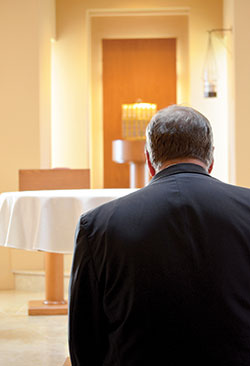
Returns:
(135, 118)
(210, 69)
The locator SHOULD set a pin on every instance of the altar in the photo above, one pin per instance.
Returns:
(46, 221)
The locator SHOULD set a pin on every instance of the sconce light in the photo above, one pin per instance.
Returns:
(210, 75)
(135, 118)
(210, 71)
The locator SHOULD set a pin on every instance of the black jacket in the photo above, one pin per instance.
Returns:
(162, 276)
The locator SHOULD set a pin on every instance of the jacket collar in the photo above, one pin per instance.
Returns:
(177, 169)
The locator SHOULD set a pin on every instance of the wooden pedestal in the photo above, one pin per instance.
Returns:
(67, 362)
(38, 307)
(132, 152)
(54, 303)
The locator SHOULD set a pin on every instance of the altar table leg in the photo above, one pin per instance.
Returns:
(54, 303)
(67, 362)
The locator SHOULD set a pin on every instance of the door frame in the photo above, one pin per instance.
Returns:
(94, 67)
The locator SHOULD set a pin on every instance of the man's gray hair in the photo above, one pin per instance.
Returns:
(179, 132)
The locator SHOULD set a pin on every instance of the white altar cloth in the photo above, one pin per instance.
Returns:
(46, 220)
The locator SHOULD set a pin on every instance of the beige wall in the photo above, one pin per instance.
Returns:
(236, 16)
(229, 23)
(47, 33)
(25, 28)
(19, 90)
(241, 62)
(205, 16)
(6, 276)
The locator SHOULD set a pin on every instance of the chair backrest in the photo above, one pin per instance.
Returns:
(49, 179)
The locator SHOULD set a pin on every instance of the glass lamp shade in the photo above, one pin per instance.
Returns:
(135, 118)
(210, 72)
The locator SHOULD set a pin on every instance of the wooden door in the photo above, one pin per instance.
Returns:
(133, 69)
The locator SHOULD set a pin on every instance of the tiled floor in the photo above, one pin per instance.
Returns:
(30, 340)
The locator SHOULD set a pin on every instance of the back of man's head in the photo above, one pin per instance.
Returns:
(178, 132)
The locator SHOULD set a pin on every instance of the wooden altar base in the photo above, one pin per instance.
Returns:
(67, 362)
(54, 303)
(37, 307)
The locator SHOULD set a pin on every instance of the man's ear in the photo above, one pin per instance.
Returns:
(210, 168)
(150, 166)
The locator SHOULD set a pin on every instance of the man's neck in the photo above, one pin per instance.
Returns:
(184, 160)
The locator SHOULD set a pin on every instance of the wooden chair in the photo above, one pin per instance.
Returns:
(58, 178)
(52, 179)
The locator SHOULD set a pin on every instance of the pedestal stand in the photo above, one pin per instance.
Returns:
(132, 152)
(54, 303)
